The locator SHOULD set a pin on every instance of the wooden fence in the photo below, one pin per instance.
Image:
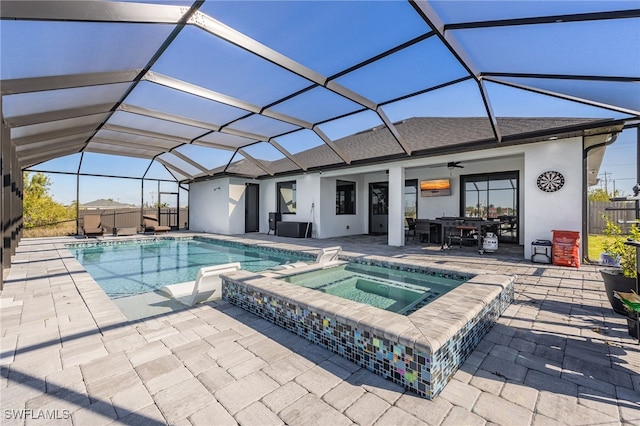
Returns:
(597, 209)
(132, 217)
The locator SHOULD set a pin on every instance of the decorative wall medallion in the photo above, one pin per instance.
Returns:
(550, 181)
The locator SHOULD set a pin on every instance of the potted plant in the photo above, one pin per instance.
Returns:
(623, 277)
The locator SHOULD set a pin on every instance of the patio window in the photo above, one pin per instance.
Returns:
(493, 196)
(287, 197)
(345, 197)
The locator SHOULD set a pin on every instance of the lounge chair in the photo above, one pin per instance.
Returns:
(150, 224)
(326, 258)
(92, 225)
(207, 285)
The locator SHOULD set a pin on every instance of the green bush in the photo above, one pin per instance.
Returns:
(615, 246)
(40, 209)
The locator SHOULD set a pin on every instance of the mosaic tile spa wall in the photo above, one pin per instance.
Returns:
(424, 373)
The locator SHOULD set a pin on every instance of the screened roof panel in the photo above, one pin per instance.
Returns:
(327, 83)
(38, 46)
(136, 121)
(53, 144)
(158, 171)
(61, 99)
(263, 126)
(299, 141)
(208, 157)
(326, 39)
(36, 155)
(160, 98)
(133, 140)
(417, 67)
(178, 176)
(457, 100)
(113, 165)
(29, 158)
(225, 139)
(315, 105)
(264, 151)
(242, 166)
(537, 105)
(606, 92)
(226, 68)
(67, 164)
(350, 125)
(56, 128)
(587, 48)
(104, 147)
(178, 165)
(269, 158)
(472, 11)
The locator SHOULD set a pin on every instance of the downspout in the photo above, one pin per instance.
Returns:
(585, 195)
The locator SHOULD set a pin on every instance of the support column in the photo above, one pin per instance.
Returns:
(11, 195)
(5, 201)
(396, 206)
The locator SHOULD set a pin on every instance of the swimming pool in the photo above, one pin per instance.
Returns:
(402, 292)
(127, 268)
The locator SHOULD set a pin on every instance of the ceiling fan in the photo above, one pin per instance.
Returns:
(453, 164)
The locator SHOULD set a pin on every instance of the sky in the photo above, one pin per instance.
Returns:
(620, 164)
(195, 56)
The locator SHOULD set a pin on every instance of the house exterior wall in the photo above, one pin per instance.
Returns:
(235, 204)
(335, 225)
(560, 210)
(208, 206)
(307, 193)
(222, 210)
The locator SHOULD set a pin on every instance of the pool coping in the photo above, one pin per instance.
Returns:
(435, 339)
(427, 329)
(420, 351)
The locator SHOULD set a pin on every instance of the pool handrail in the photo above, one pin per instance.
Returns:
(206, 286)
(327, 256)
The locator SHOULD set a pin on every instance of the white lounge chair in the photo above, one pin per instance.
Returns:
(206, 285)
(327, 257)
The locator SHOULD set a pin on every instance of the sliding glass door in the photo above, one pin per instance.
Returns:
(493, 196)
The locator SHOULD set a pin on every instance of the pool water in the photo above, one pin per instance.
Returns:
(128, 269)
(397, 291)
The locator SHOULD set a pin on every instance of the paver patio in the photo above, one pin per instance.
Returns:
(558, 355)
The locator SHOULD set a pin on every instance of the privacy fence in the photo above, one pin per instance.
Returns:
(614, 210)
(176, 218)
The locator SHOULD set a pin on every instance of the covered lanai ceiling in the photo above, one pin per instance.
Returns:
(263, 88)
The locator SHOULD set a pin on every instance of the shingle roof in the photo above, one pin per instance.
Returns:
(426, 135)
(105, 204)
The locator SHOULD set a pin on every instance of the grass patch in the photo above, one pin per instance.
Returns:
(66, 228)
(596, 242)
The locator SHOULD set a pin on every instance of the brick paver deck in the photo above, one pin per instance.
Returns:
(559, 355)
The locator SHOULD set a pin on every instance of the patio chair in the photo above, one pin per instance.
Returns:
(410, 228)
(327, 257)
(150, 224)
(422, 230)
(207, 285)
(92, 225)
